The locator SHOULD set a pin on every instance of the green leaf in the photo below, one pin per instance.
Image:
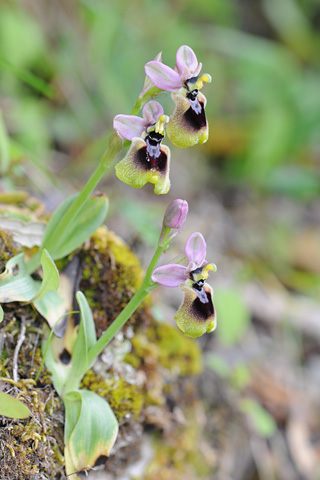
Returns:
(46, 345)
(12, 407)
(1, 314)
(51, 279)
(51, 306)
(59, 371)
(16, 285)
(88, 219)
(86, 338)
(4, 147)
(91, 429)
(232, 315)
(263, 422)
(29, 78)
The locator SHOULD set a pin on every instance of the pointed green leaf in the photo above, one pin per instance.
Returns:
(29, 78)
(51, 306)
(50, 280)
(12, 407)
(1, 314)
(91, 429)
(86, 338)
(88, 219)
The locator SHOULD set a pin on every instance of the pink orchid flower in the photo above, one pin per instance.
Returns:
(196, 314)
(188, 124)
(147, 159)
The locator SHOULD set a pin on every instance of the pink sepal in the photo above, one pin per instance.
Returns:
(151, 112)
(186, 60)
(171, 275)
(195, 250)
(163, 76)
(129, 126)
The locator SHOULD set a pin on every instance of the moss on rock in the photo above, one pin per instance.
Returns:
(125, 399)
(32, 446)
(111, 275)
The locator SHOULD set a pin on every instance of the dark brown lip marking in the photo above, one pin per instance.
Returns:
(202, 307)
(152, 156)
(195, 120)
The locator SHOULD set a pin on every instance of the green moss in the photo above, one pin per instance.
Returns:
(124, 398)
(111, 276)
(130, 275)
(176, 350)
(32, 446)
(29, 445)
(165, 344)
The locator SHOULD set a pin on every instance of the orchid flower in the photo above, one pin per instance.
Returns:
(147, 160)
(196, 314)
(188, 124)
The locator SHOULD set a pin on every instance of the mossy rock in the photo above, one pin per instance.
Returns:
(31, 448)
(147, 385)
(111, 275)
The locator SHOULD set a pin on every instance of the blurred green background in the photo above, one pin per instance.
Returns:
(68, 67)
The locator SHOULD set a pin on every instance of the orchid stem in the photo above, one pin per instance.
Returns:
(114, 147)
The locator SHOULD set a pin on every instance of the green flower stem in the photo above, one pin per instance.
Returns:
(123, 317)
(152, 92)
(114, 147)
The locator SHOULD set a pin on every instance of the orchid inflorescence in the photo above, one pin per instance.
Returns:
(147, 159)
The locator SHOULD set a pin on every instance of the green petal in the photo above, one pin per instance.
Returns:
(195, 317)
(186, 128)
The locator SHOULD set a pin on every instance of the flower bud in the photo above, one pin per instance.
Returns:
(176, 214)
